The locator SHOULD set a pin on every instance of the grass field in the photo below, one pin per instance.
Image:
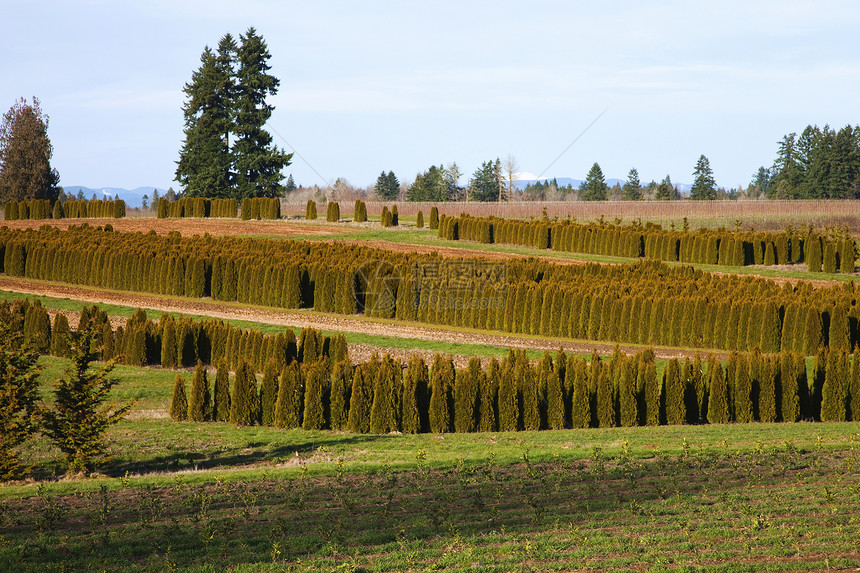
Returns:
(182, 496)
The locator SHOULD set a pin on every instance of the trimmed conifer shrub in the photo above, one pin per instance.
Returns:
(718, 395)
(288, 407)
(60, 336)
(385, 217)
(839, 337)
(179, 401)
(580, 410)
(359, 212)
(508, 399)
(787, 389)
(221, 397)
(742, 390)
(466, 386)
(434, 217)
(311, 210)
(767, 389)
(199, 398)
(395, 218)
(441, 394)
(604, 400)
(412, 396)
(243, 405)
(269, 393)
(332, 212)
(834, 394)
(361, 399)
(673, 385)
(555, 411)
(315, 376)
(650, 390)
(419, 220)
(853, 398)
(341, 387)
(628, 399)
(813, 337)
(829, 261)
(168, 342)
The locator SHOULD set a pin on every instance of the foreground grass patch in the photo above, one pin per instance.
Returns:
(777, 498)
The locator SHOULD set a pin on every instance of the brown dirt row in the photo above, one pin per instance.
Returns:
(304, 319)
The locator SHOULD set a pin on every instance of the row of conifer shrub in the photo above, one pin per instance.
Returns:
(35, 209)
(644, 303)
(830, 253)
(312, 383)
(557, 392)
(197, 207)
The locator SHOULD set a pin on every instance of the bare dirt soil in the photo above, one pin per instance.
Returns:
(304, 319)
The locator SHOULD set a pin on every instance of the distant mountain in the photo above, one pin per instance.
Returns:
(132, 197)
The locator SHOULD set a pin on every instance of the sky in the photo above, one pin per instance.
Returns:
(400, 86)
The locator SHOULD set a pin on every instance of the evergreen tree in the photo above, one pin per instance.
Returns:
(226, 104)
(387, 186)
(19, 396)
(413, 395)
(767, 403)
(25, 155)
(486, 183)
(221, 399)
(594, 187)
(79, 418)
(179, 400)
(632, 188)
(434, 217)
(704, 185)
(199, 399)
(205, 167)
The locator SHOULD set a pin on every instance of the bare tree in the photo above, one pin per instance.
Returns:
(512, 167)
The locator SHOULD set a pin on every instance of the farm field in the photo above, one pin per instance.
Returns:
(192, 496)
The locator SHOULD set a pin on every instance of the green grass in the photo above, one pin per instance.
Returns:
(761, 497)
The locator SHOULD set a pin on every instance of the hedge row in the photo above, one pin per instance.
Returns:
(643, 303)
(197, 207)
(713, 247)
(382, 396)
(261, 208)
(43, 209)
(311, 383)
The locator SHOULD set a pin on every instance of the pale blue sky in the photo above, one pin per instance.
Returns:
(399, 86)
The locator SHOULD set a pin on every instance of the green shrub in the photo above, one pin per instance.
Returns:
(199, 399)
(269, 393)
(179, 401)
(243, 406)
(315, 376)
(221, 398)
(419, 220)
(333, 212)
(311, 210)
